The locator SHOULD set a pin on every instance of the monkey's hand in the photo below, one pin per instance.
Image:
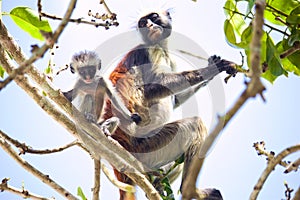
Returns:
(222, 65)
(90, 117)
(136, 118)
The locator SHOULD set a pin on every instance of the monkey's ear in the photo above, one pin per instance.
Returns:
(72, 69)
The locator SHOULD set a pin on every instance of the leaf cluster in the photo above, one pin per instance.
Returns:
(282, 24)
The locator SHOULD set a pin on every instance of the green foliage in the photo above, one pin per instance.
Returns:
(279, 57)
(2, 71)
(29, 21)
(81, 194)
(168, 190)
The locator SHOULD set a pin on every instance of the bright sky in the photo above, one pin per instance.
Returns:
(232, 166)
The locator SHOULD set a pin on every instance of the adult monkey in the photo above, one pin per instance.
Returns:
(147, 82)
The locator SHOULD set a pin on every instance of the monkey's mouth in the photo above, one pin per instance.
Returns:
(88, 81)
(155, 32)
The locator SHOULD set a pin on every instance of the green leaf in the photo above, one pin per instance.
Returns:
(269, 76)
(180, 159)
(237, 20)
(285, 7)
(250, 6)
(81, 194)
(295, 36)
(294, 17)
(246, 38)
(28, 20)
(273, 59)
(229, 33)
(2, 71)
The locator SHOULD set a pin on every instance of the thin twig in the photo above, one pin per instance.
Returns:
(267, 25)
(261, 150)
(292, 166)
(270, 167)
(44, 178)
(20, 192)
(28, 149)
(97, 172)
(288, 191)
(106, 8)
(293, 49)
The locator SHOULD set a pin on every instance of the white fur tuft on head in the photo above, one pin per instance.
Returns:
(149, 6)
(85, 58)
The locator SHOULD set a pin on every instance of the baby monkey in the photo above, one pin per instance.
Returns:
(93, 90)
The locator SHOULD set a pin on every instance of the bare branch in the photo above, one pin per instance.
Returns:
(270, 167)
(28, 149)
(288, 191)
(20, 192)
(261, 150)
(44, 178)
(293, 166)
(254, 87)
(97, 171)
(111, 16)
(38, 53)
(293, 49)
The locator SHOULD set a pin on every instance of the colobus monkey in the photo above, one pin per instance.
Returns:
(93, 89)
(147, 82)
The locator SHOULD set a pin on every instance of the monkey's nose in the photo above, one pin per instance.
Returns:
(149, 23)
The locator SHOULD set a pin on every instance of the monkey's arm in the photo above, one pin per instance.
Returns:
(69, 95)
(118, 104)
(174, 83)
(182, 97)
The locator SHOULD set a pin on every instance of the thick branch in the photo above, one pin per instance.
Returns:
(44, 178)
(99, 143)
(270, 167)
(254, 87)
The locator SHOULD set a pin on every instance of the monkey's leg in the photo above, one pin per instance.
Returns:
(87, 107)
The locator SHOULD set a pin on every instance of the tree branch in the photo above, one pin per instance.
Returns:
(38, 53)
(97, 171)
(44, 178)
(297, 194)
(97, 142)
(20, 192)
(254, 87)
(270, 167)
(27, 149)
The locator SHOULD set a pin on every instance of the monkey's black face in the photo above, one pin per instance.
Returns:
(155, 27)
(87, 73)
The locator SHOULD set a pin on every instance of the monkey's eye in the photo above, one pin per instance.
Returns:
(142, 23)
(154, 17)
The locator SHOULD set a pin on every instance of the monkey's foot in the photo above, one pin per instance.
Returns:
(110, 125)
(222, 65)
(210, 194)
